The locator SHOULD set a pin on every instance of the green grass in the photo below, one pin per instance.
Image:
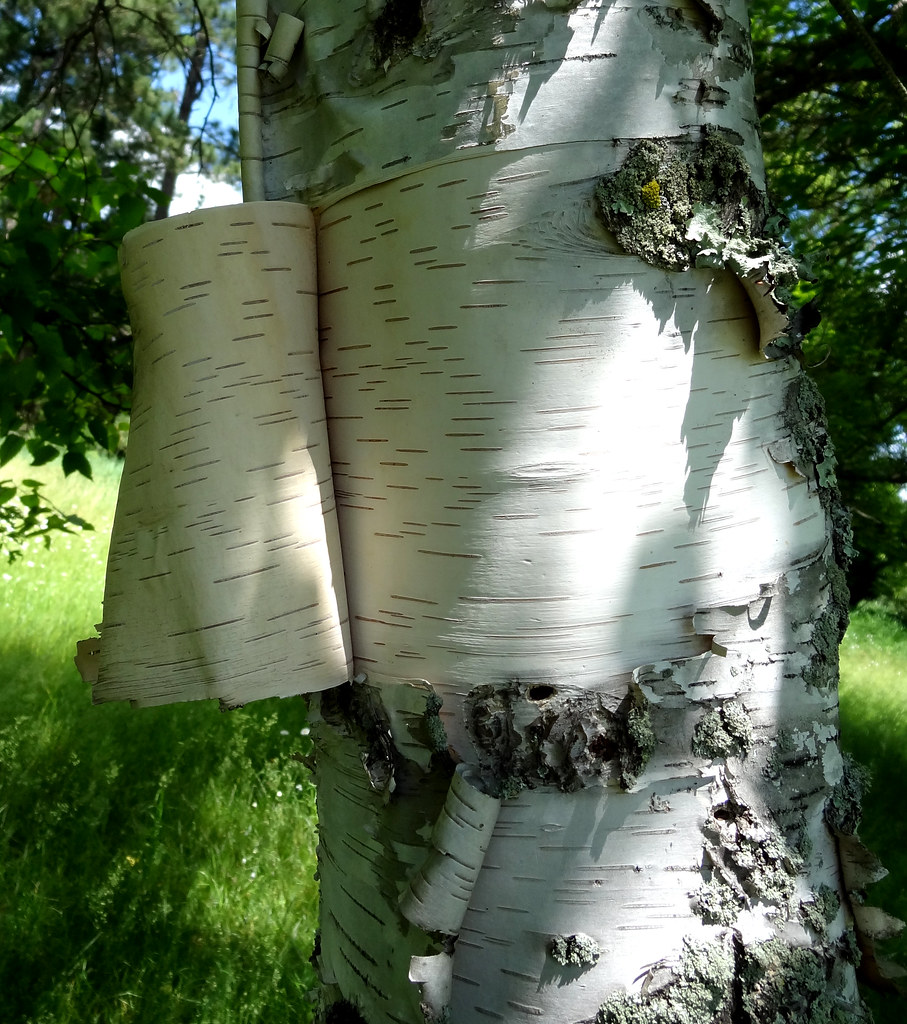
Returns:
(155, 865)
(874, 730)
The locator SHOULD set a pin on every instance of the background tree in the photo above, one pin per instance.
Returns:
(833, 117)
(97, 102)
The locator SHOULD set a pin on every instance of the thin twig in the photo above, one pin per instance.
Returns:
(850, 19)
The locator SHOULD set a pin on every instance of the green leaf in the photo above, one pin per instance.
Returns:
(99, 432)
(75, 462)
(11, 446)
(41, 453)
(133, 210)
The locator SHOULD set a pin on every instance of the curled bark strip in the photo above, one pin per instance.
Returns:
(438, 894)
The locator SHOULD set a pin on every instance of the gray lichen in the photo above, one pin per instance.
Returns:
(691, 202)
(579, 950)
(717, 903)
(699, 988)
(784, 984)
(850, 947)
(724, 732)
(638, 741)
(764, 983)
(437, 734)
(753, 852)
(804, 416)
(843, 809)
(821, 910)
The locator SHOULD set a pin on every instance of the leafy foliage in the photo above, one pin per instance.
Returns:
(835, 141)
(87, 121)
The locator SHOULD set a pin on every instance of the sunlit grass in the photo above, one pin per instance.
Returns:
(155, 865)
(874, 729)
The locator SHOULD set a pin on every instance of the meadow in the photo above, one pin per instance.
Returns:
(158, 866)
(155, 866)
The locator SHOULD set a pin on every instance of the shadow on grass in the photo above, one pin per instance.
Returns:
(867, 734)
(153, 863)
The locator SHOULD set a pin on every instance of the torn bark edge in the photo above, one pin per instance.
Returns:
(438, 893)
(88, 657)
(690, 201)
(771, 313)
(434, 974)
(860, 868)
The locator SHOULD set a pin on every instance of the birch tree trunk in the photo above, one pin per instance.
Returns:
(588, 767)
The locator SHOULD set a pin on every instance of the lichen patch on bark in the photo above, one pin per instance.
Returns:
(724, 731)
(579, 950)
(726, 980)
(690, 174)
(691, 202)
(526, 735)
(748, 853)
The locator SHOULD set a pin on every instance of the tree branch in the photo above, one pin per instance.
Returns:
(850, 19)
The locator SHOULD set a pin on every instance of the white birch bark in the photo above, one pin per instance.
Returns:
(224, 577)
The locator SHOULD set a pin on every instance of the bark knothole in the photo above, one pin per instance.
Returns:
(701, 17)
(355, 706)
(395, 30)
(343, 1012)
(750, 855)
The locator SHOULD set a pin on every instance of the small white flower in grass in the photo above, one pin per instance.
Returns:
(284, 732)
(254, 803)
(280, 792)
(305, 731)
(299, 786)
(252, 875)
